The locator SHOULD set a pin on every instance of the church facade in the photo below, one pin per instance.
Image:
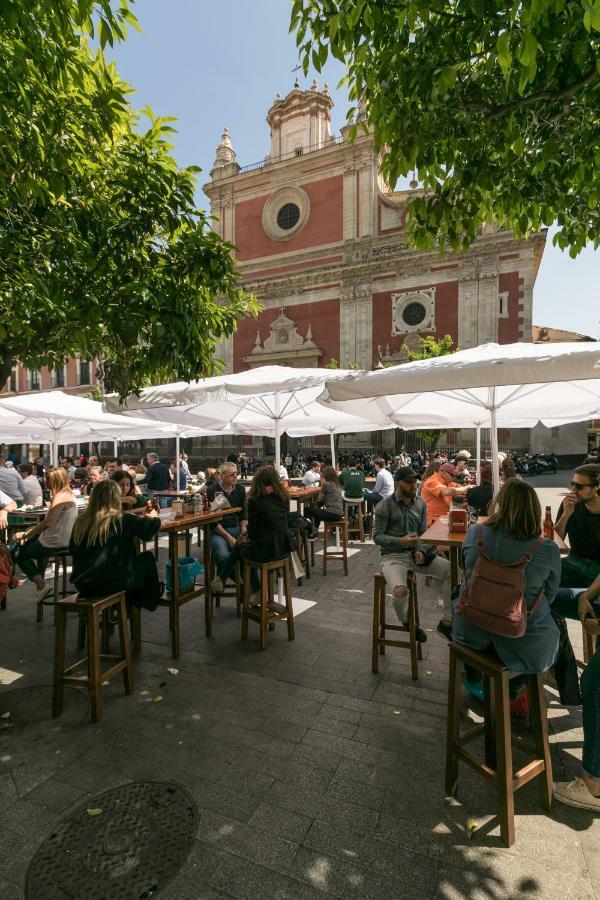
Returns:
(321, 242)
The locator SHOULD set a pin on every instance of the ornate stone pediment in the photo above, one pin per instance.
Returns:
(284, 346)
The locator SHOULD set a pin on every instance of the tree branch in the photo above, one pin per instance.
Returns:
(499, 111)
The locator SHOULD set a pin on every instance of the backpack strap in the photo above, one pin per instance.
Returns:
(531, 552)
(538, 600)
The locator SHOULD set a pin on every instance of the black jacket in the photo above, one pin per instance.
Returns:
(103, 568)
(268, 529)
(157, 478)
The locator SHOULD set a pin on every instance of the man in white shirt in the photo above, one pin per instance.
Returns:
(32, 491)
(10, 481)
(283, 474)
(384, 484)
(313, 476)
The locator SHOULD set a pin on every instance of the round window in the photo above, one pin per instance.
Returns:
(413, 314)
(288, 216)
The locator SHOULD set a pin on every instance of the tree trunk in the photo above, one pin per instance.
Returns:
(6, 367)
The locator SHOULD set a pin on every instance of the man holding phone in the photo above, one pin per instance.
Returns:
(584, 792)
(399, 521)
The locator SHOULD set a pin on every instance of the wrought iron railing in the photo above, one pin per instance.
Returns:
(299, 151)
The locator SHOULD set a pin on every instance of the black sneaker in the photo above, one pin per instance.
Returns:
(420, 633)
(444, 629)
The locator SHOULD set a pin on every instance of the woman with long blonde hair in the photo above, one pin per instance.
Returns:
(33, 547)
(104, 550)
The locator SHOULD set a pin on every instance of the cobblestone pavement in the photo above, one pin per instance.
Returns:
(311, 775)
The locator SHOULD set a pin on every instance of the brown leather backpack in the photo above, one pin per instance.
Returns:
(494, 596)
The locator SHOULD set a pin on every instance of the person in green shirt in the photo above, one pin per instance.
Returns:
(353, 482)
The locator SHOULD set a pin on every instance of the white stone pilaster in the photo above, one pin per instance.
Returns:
(349, 205)
(356, 326)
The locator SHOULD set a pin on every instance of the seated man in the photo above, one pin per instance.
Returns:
(7, 504)
(224, 536)
(157, 477)
(481, 496)
(438, 490)
(353, 482)
(384, 484)
(313, 476)
(584, 792)
(579, 520)
(399, 520)
(11, 482)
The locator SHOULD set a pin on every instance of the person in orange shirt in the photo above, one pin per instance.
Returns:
(439, 487)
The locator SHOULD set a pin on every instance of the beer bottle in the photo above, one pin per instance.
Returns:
(548, 528)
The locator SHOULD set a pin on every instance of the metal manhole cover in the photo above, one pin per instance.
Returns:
(128, 851)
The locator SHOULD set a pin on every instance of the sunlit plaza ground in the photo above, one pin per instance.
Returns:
(310, 774)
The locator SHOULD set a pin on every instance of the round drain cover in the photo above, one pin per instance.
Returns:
(125, 844)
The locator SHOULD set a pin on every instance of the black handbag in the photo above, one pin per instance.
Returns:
(565, 667)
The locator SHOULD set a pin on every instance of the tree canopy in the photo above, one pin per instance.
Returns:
(103, 252)
(495, 104)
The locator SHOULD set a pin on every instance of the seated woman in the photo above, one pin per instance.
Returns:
(131, 496)
(104, 551)
(481, 496)
(268, 531)
(52, 534)
(510, 532)
(330, 496)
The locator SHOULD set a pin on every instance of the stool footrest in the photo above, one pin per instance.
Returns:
(476, 764)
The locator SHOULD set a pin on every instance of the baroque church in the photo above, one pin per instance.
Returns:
(321, 242)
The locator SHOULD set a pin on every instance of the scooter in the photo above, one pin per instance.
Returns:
(543, 463)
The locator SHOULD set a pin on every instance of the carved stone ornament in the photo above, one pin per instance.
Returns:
(285, 346)
(413, 311)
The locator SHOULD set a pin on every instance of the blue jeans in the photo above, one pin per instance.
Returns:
(221, 549)
(372, 497)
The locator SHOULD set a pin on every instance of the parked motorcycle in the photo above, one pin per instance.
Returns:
(543, 464)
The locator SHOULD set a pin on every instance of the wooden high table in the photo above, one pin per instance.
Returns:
(438, 533)
(173, 527)
(303, 495)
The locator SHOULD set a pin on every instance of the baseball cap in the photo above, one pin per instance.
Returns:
(405, 473)
(449, 468)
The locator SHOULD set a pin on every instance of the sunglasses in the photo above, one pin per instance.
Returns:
(579, 487)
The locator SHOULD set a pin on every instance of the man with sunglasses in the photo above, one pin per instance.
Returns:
(579, 520)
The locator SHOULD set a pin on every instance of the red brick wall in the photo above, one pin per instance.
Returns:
(324, 317)
(446, 316)
(508, 329)
(324, 226)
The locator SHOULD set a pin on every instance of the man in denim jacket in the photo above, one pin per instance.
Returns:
(399, 521)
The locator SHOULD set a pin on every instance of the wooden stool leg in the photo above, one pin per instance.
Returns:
(452, 726)
(361, 523)
(325, 546)
(59, 661)
(94, 665)
(504, 772)
(245, 601)
(382, 620)
(376, 604)
(588, 645)
(64, 576)
(265, 591)
(539, 721)
(306, 559)
(344, 534)
(414, 663)
(125, 649)
(489, 739)
(136, 628)
(56, 577)
(288, 603)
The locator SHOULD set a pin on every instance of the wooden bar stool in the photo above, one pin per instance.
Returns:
(358, 504)
(380, 626)
(57, 559)
(262, 614)
(339, 551)
(498, 737)
(301, 541)
(589, 647)
(135, 630)
(93, 609)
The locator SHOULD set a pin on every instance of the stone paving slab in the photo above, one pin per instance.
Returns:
(311, 775)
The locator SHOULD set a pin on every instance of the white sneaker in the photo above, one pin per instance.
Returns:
(217, 585)
(576, 793)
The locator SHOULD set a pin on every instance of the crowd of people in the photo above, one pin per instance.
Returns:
(406, 501)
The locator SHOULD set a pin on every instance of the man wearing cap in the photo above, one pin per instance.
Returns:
(399, 521)
(438, 490)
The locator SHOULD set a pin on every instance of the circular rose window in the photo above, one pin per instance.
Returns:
(288, 216)
(413, 314)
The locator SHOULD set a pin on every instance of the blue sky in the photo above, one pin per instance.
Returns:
(216, 64)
